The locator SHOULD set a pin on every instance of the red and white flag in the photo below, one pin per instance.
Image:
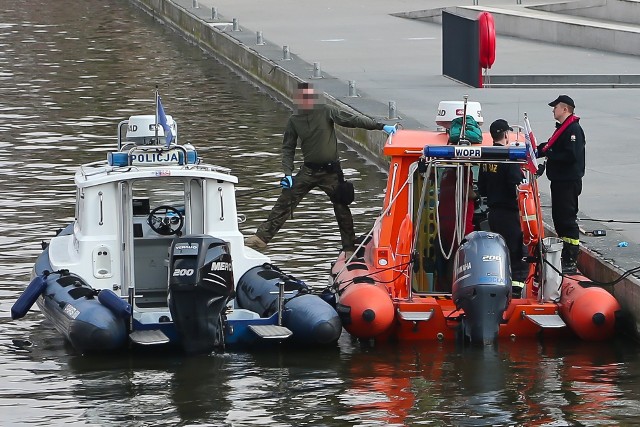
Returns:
(530, 143)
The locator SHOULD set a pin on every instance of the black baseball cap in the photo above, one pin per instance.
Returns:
(562, 98)
(498, 127)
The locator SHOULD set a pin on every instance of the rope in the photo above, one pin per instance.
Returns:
(459, 199)
(377, 221)
(423, 193)
(404, 268)
(609, 220)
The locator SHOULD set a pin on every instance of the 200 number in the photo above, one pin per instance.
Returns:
(183, 272)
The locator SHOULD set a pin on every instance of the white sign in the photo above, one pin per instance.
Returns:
(154, 158)
(464, 151)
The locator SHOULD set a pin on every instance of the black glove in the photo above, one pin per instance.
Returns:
(539, 150)
(541, 168)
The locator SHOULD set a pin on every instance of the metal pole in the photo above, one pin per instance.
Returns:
(393, 113)
(317, 74)
(286, 55)
(259, 39)
(352, 88)
(214, 13)
(280, 301)
(236, 26)
(195, 4)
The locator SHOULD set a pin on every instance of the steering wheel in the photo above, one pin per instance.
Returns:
(166, 225)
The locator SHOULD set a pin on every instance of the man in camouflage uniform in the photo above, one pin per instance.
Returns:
(313, 124)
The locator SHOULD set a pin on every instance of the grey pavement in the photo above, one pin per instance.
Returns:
(391, 58)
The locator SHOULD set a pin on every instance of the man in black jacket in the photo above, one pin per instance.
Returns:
(565, 153)
(313, 125)
(498, 182)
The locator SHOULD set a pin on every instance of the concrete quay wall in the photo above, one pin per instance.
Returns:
(262, 68)
(267, 69)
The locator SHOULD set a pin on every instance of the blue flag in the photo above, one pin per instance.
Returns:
(162, 120)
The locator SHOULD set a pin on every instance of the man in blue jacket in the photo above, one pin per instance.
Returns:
(565, 153)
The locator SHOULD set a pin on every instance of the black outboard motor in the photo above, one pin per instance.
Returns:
(200, 285)
(482, 285)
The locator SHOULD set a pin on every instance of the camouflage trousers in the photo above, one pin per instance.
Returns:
(305, 181)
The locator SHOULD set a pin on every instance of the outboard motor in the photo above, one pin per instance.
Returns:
(482, 285)
(200, 285)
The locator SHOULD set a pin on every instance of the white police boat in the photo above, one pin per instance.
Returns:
(155, 257)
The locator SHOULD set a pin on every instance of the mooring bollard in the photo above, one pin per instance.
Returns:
(317, 74)
(214, 13)
(259, 39)
(195, 4)
(352, 88)
(286, 55)
(393, 114)
(236, 26)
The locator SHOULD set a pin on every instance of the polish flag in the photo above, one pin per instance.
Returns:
(530, 143)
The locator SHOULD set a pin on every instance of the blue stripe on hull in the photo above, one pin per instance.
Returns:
(94, 329)
(88, 325)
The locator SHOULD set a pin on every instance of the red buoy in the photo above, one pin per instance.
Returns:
(487, 31)
(589, 312)
(366, 310)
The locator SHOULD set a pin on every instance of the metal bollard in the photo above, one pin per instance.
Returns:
(352, 88)
(259, 39)
(236, 26)
(214, 13)
(286, 55)
(195, 4)
(317, 74)
(393, 113)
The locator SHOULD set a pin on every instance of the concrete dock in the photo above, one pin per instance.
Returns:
(391, 51)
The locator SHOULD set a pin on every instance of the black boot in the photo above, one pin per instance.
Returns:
(569, 258)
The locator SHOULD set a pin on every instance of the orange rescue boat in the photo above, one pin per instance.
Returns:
(422, 274)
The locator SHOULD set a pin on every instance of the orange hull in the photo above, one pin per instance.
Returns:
(364, 307)
(398, 288)
(589, 312)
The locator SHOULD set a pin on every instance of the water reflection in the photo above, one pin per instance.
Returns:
(521, 383)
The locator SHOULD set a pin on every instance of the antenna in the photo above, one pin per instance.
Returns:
(463, 132)
(157, 113)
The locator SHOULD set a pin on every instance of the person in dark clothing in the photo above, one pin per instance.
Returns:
(313, 124)
(565, 153)
(498, 183)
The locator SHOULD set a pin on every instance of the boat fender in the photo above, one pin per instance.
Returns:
(487, 30)
(113, 302)
(528, 215)
(29, 296)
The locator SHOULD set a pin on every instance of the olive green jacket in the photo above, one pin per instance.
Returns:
(315, 129)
